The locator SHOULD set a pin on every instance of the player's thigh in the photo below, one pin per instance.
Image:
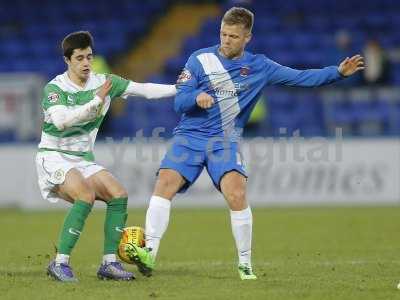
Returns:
(75, 187)
(106, 186)
(222, 161)
(179, 169)
(168, 183)
(233, 187)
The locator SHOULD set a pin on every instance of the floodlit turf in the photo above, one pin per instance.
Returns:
(304, 253)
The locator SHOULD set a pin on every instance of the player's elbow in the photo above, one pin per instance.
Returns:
(58, 120)
(178, 107)
(59, 125)
(57, 116)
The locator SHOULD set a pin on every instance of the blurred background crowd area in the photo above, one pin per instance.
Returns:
(150, 41)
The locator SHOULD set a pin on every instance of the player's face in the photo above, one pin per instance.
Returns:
(233, 40)
(80, 63)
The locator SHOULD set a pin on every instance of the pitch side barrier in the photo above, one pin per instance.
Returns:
(282, 172)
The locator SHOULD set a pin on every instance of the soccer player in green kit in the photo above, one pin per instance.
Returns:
(74, 105)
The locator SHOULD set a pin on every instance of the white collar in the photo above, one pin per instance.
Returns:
(73, 85)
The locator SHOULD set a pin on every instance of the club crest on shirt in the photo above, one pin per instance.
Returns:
(244, 71)
(184, 76)
(53, 97)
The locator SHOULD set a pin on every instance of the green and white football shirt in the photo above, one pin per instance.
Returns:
(78, 139)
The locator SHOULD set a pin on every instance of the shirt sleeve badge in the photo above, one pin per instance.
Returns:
(184, 76)
(53, 97)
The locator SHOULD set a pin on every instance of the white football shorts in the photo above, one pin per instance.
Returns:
(53, 166)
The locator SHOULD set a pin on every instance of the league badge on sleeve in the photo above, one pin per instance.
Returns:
(184, 76)
(53, 97)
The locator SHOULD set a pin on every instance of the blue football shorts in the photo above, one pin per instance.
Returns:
(189, 160)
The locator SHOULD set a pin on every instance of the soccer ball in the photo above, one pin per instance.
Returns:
(130, 235)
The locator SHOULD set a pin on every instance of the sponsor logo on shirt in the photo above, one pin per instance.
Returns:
(222, 91)
(70, 99)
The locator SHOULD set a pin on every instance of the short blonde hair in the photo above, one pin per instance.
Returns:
(239, 15)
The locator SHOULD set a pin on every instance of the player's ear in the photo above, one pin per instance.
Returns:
(66, 60)
(248, 37)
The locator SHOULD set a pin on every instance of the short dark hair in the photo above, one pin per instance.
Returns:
(76, 40)
(239, 15)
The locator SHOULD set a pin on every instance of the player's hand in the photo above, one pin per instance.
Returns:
(204, 100)
(351, 65)
(105, 89)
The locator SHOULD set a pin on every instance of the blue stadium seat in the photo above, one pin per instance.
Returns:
(372, 117)
(396, 74)
(13, 48)
(340, 115)
(394, 120)
(297, 33)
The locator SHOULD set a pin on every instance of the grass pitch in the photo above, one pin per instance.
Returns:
(298, 253)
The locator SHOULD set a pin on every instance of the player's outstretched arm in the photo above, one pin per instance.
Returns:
(278, 74)
(150, 90)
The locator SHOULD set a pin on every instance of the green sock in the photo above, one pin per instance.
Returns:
(114, 224)
(73, 225)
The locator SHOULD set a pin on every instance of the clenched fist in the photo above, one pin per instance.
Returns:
(204, 100)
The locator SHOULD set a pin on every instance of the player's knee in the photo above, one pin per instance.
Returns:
(120, 192)
(85, 193)
(236, 198)
(166, 184)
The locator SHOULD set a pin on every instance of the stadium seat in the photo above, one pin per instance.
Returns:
(300, 34)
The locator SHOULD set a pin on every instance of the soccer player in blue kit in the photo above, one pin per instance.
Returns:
(216, 93)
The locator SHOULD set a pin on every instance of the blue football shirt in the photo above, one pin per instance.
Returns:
(235, 86)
